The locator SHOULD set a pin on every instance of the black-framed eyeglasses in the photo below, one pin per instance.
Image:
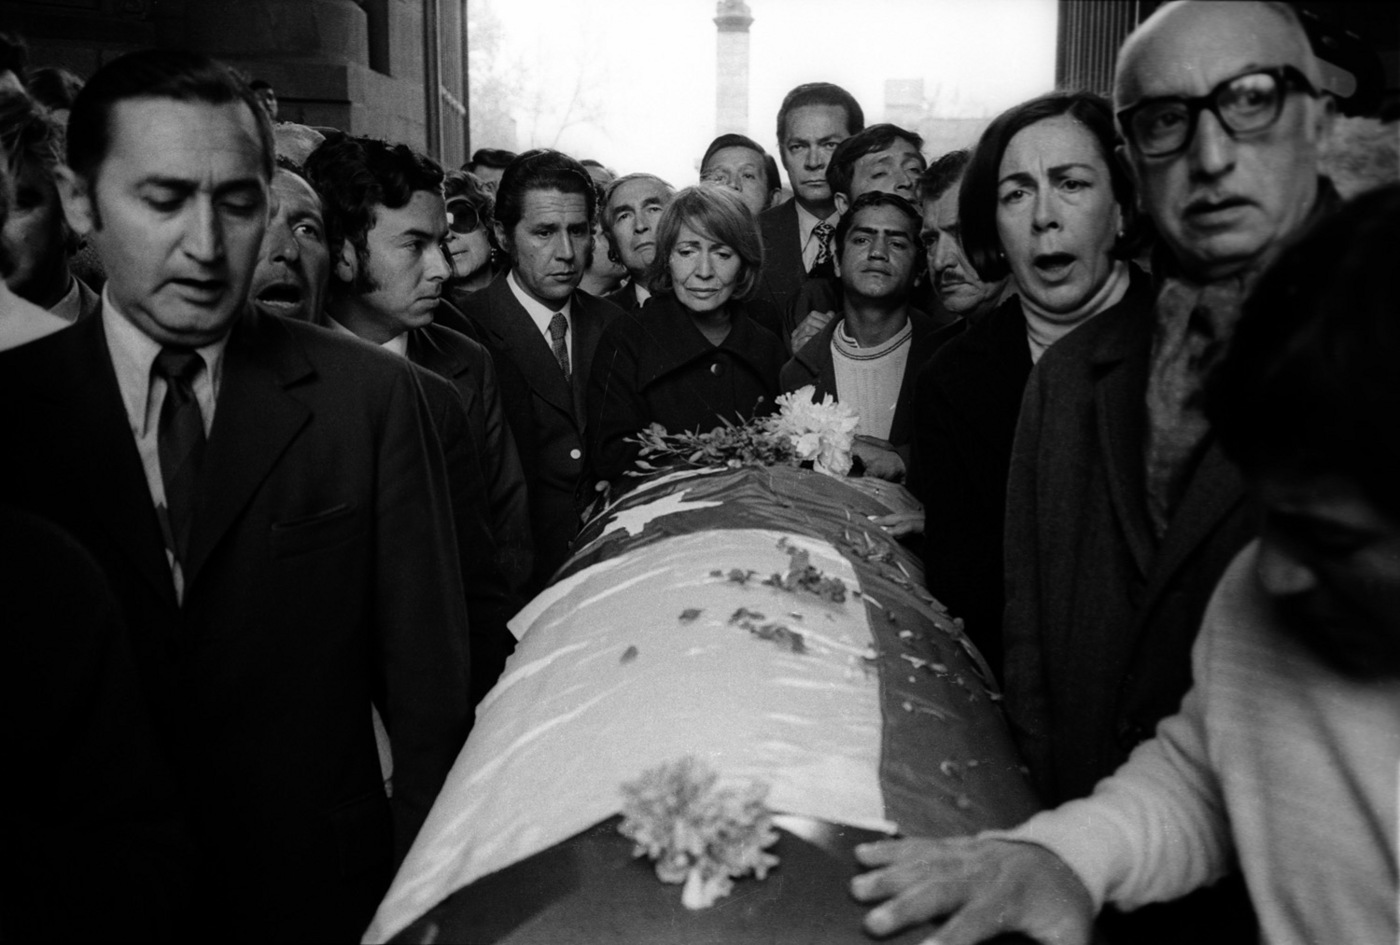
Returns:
(462, 217)
(1248, 103)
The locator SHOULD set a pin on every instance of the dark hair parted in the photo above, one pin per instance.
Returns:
(176, 74)
(718, 213)
(943, 174)
(877, 198)
(840, 170)
(1309, 384)
(820, 93)
(770, 166)
(977, 203)
(489, 157)
(541, 169)
(355, 175)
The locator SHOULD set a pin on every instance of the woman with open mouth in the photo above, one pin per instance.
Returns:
(698, 353)
(1044, 201)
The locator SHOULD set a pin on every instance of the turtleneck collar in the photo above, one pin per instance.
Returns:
(1044, 328)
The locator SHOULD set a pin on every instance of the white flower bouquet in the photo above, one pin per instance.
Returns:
(803, 431)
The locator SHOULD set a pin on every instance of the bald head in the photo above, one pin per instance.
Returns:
(1227, 200)
(1191, 32)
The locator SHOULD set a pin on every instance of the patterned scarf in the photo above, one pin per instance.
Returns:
(1194, 325)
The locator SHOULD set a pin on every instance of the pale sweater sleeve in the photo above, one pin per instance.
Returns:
(1156, 828)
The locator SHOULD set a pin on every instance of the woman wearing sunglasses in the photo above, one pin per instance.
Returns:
(475, 259)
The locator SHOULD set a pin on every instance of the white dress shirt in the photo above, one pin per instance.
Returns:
(542, 315)
(133, 354)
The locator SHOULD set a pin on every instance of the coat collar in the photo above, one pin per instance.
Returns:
(678, 342)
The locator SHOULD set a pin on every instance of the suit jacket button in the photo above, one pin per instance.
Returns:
(575, 454)
(714, 368)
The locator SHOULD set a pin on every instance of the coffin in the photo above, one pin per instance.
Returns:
(679, 628)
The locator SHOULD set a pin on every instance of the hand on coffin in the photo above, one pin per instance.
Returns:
(899, 524)
(982, 888)
(879, 458)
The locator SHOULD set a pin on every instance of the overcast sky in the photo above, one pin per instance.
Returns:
(649, 65)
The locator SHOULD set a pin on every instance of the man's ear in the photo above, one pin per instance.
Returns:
(843, 203)
(79, 200)
(347, 264)
(502, 238)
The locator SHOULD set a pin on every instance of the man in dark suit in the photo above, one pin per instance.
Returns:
(813, 119)
(265, 499)
(387, 226)
(632, 206)
(542, 331)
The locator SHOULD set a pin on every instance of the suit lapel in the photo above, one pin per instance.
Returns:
(515, 334)
(425, 351)
(254, 422)
(1119, 412)
(589, 323)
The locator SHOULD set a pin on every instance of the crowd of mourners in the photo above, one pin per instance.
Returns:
(296, 420)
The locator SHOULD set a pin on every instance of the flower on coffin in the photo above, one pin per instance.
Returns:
(698, 834)
(803, 431)
(821, 432)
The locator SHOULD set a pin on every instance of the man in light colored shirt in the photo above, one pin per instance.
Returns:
(868, 356)
(266, 500)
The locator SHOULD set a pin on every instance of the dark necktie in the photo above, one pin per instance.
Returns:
(181, 443)
(558, 328)
(822, 265)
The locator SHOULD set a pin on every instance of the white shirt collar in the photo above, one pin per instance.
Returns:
(807, 222)
(133, 352)
(70, 306)
(397, 344)
(536, 309)
(641, 292)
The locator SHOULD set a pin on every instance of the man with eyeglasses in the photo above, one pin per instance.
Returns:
(1122, 511)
